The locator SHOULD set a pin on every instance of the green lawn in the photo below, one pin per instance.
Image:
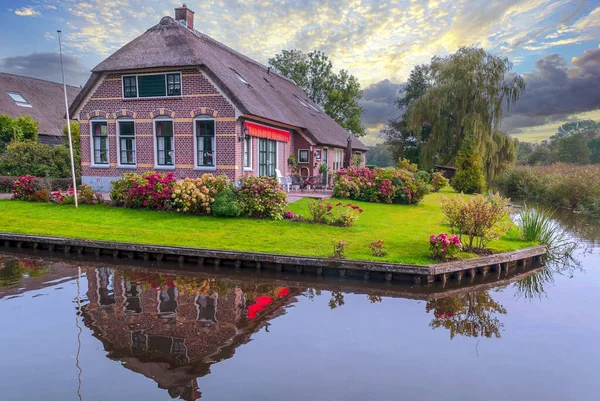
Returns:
(404, 229)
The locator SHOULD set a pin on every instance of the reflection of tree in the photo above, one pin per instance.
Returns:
(337, 299)
(470, 315)
(13, 270)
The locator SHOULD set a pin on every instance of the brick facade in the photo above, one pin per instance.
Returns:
(199, 98)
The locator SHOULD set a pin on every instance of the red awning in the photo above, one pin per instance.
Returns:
(262, 131)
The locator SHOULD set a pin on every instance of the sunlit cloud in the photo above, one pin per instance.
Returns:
(26, 12)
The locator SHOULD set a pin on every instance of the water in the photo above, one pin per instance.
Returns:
(91, 331)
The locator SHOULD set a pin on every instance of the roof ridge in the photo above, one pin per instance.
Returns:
(37, 79)
(231, 50)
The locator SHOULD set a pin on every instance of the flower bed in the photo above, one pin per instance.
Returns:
(379, 185)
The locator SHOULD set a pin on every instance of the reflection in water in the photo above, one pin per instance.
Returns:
(172, 329)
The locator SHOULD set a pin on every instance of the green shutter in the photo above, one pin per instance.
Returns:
(152, 85)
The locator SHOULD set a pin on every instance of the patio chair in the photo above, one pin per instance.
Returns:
(285, 182)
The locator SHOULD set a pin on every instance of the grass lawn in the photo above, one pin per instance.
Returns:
(405, 229)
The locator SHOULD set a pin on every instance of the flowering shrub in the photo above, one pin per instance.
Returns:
(444, 246)
(376, 248)
(438, 181)
(339, 249)
(25, 187)
(481, 218)
(288, 215)
(66, 197)
(196, 195)
(262, 197)
(149, 190)
(324, 212)
(378, 185)
(87, 196)
(42, 195)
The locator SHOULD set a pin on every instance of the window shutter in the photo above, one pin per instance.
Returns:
(152, 85)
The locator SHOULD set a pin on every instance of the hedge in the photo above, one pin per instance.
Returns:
(51, 184)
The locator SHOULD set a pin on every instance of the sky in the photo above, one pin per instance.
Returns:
(553, 44)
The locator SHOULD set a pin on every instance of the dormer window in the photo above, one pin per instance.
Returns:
(152, 85)
(19, 99)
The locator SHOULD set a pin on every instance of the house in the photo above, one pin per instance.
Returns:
(174, 99)
(43, 100)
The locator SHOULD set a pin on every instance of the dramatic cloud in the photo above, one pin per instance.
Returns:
(555, 91)
(379, 102)
(47, 66)
(26, 12)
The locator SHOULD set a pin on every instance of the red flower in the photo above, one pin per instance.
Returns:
(263, 301)
(253, 310)
(283, 292)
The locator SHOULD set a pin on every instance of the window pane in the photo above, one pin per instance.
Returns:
(152, 85)
(173, 85)
(130, 86)
(126, 128)
(205, 127)
(164, 128)
(100, 128)
(247, 152)
(127, 145)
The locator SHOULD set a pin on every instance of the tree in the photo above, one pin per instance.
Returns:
(397, 135)
(525, 150)
(17, 129)
(594, 146)
(337, 94)
(469, 177)
(380, 155)
(469, 92)
(543, 154)
(585, 127)
(29, 127)
(573, 149)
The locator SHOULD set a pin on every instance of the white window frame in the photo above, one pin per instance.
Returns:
(308, 156)
(137, 86)
(92, 153)
(128, 120)
(196, 166)
(155, 139)
(248, 143)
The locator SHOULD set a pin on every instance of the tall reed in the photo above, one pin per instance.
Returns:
(538, 225)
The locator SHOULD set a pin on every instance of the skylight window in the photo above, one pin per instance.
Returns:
(19, 99)
(301, 102)
(240, 77)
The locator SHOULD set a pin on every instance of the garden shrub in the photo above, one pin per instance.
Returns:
(33, 158)
(196, 195)
(41, 195)
(469, 178)
(438, 181)
(377, 185)
(405, 164)
(444, 246)
(7, 183)
(25, 186)
(339, 249)
(376, 248)
(325, 212)
(262, 197)
(480, 218)
(149, 190)
(226, 204)
(423, 175)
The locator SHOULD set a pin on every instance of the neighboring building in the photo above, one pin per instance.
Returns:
(174, 99)
(43, 100)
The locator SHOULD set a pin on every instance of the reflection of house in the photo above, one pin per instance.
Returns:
(169, 334)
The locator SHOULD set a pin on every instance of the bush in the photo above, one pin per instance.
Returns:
(423, 175)
(469, 178)
(444, 246)
(33, 158)
(378, 185)
(148, 191)
(438, 181)
(7, 184)
(42, 195)
(480, 218)
(405, 164)
(376, 248)
(339, 249)
(262, 197)
(25, 187)
(196, 195)
(325, 212)
(226, 204)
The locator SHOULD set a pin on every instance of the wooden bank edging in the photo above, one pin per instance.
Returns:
(300, 264)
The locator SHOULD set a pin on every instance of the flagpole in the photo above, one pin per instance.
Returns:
(62, 68)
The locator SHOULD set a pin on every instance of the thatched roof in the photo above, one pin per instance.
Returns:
(267, 95)
(45, 97)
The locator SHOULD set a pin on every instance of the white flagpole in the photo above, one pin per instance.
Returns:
(62, 68)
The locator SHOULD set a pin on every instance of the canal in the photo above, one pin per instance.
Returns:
(92, 330)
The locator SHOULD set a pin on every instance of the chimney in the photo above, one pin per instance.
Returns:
(185, 16)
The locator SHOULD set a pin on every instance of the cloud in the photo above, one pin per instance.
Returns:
(379, 102)
(555, 91)
(26, 12)
(47, 66)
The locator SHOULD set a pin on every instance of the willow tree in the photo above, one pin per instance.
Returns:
(469, 93)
